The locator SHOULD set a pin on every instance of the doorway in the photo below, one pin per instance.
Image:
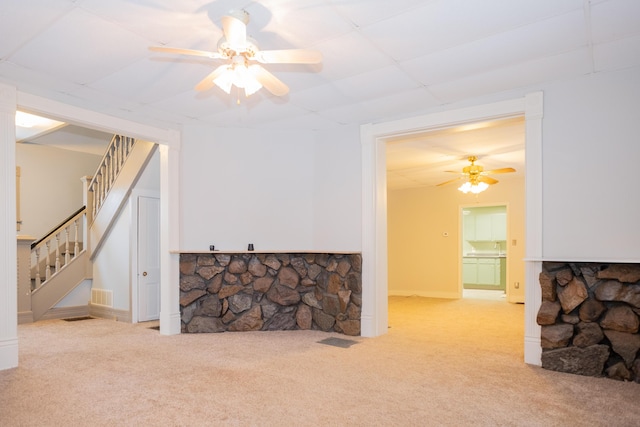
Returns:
(484, 251)
(374, 219)
(148, 258)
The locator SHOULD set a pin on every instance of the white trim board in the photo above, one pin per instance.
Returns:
(374, 205)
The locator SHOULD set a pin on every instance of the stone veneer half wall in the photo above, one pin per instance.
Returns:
(590, 319)
(270, 291)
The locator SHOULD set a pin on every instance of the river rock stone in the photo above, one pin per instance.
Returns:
(619, 372)
(298, 265)
(572, 294)
(591, 310)
(587, 361)
(205, 260)
(324, 321)
(215, 284)
(570, 318)
(188, 283)
(209, 306)
(230, 279)
(548, 286)
(313, 271)
(272, 262)
(208, 271)
(612, 290)
(620, 318)
(587, 334)
(344, 296)
(223, 259)
(289, 277)
(343, 268)
(256, 268)
(334, 284)
(563, 277)
(548, 313)
(283, 295)
(282, 322)
(227, 291)
(636, 370)
(356, 262)
(304, 318)
(349, 327)
(250, 321)
(263, 284)
(310, 299)
(354, 282)
(187, 264)
(624, 344)
(626, 273)
(556, 336)
(205, 324)
(331, 305)
(239, 302)
(187, 298)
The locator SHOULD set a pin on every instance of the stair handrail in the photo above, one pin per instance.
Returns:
(71, 226)
(108, 170)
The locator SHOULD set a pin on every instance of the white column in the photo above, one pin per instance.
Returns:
(8, 249)
(170, 235)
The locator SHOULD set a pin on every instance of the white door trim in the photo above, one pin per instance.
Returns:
(133, 238)
(374, 205)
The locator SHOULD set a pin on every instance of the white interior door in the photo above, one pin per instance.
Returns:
(148, 258)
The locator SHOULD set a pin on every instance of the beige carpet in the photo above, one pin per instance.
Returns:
(443, 363)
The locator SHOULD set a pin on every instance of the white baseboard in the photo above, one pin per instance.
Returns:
(66, 312)
(8, 353)
(424, 294)
(111, 313)
(532, 351)
(25, 317)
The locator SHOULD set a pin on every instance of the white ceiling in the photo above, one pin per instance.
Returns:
(382, 59)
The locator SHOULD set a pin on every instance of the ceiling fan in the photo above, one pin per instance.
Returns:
(243, 59)
(475, 177)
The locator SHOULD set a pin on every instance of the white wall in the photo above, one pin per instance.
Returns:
(337, 205)
(50, 186)
(424, 262)
(112, 263)
(277, 190)
(590, 168)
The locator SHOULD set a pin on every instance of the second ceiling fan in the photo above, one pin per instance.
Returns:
(476, 176)
(243, 59)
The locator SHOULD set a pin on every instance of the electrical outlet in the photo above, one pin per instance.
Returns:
(516, 285)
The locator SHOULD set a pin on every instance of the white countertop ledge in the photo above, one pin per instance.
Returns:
(260, 251)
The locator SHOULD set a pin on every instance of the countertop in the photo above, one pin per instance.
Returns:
(485, 255)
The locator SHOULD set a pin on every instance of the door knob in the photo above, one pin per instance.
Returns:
(144, 273)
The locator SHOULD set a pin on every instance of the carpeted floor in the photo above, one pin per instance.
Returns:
(442, 363)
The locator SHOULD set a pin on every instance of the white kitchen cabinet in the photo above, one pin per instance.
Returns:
(483, 272)
(485, 227)
(469, 270)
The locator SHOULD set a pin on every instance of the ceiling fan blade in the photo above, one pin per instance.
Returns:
(450, 181)
(269, 81)
(461, 173)
(487, 179)
(190, 52)
(289, 56)
(235, 31)
(501, 170)
(207, 82)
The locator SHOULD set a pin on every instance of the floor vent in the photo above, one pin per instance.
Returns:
(75, 319)
(155, 328)
(102, 297)
(338, 342)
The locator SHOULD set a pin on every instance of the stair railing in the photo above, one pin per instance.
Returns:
(64, 238)
(108, 170)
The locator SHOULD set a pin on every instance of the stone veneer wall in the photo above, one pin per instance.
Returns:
(589, 318)
(255, 291)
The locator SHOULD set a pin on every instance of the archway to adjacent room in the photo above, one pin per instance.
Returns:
(374, 246)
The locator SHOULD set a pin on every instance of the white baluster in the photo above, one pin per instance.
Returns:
(38, 278)
(76, 247)
(66, 246)
(47, 267)
(57, 264)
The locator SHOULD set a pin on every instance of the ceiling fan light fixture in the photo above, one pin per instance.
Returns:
(240, 76)
(475, 188)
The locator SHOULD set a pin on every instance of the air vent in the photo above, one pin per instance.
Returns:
(102, 297)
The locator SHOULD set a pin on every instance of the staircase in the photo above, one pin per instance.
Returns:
(53, 266)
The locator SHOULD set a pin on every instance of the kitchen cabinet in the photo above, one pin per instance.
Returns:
(485, 227)
(483, 272)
